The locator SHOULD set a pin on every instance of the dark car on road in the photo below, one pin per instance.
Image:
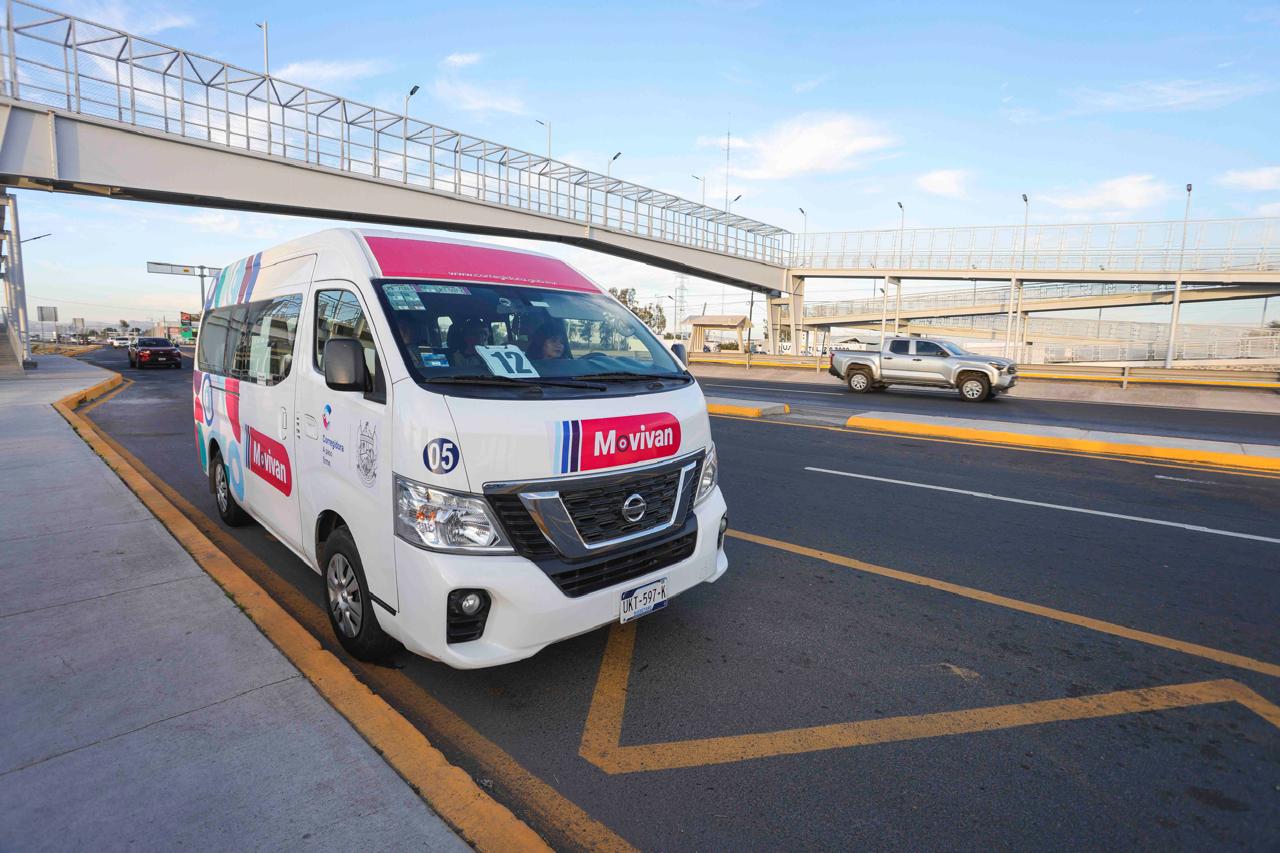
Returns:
(154, 352)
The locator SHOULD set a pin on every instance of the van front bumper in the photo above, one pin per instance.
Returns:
(528, 611)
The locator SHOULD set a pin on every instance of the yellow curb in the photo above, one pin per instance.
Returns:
(1083, 445)
(454, 795)
(1212, 383)
(741, 411)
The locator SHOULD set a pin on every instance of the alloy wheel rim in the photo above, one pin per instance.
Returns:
(972, 389)
(859, 381)
(346, 603)
(220, 487)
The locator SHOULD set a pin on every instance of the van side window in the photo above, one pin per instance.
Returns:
(252, 342)
(929, 348)
(899, 347)
(339, 315)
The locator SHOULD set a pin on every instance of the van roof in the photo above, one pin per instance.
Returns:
(383, 253)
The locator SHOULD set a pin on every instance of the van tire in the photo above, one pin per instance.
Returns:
(859, 381)
(351, 612)
(231, 513)
(974, 387)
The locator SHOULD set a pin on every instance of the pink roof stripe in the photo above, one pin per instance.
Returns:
(408, 258)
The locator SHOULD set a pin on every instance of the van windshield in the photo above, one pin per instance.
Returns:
(492, 338)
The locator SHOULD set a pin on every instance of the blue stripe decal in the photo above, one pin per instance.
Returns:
(562, 446)
(576, 451)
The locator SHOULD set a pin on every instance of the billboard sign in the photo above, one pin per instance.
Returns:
(47, 314)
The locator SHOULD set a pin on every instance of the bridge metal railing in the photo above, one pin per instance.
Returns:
(1212, 245)
(993, 296)
(1260, 347)
(1096, 329)
(62, 61)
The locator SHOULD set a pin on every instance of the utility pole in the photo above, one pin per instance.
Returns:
(1177, 285)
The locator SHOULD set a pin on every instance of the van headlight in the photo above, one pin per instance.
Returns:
(440, 520)
(709, 477)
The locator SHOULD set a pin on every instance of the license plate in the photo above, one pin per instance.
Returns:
(643, 600)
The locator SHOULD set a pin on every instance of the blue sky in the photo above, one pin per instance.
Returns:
(1096, 111)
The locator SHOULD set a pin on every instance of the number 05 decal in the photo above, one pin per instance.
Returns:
(441, 456)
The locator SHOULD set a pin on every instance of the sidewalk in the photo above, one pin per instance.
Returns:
(141, 706)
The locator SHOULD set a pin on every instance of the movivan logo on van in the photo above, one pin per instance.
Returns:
(269, 459)
(588, 445)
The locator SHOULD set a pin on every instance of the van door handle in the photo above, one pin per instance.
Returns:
(313, 430)
(284, 422)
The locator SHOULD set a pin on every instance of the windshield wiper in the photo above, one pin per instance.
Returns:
(481, 379)
(624, 376)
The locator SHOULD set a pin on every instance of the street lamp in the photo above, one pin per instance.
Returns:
(704, 188)
(902, 223)
(404, 136)
(608, 169)
(1026, 218)
(735, 198)
(37, 237)
(266, 65)
(1177, 284)
(547, 125)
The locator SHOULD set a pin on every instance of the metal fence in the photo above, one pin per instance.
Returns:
(1261, 347)
(1212, 245)
(1083, 327)
(994, 296)
(58, 60)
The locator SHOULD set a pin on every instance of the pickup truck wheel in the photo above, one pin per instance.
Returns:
(858, 381)
(975, 388)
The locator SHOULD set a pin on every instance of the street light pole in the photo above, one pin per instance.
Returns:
(1177, 285)
(547, 125)
(404, 154)
(608, 169)
(1026, 218)
(266, 64)
(902, 224)
(804, 232)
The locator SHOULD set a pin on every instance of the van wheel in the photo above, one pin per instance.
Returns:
(231, 513)
(351, 611)
(975, 388)
(859, 381)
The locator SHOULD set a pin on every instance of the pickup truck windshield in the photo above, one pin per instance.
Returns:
(495, 339)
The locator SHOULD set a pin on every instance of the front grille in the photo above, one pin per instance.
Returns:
(521, 529)
(597, 513)
(585, 578)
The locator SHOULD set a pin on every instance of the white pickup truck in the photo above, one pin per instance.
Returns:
(927, 363)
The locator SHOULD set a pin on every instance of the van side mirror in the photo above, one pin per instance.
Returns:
(679, 351)
(344, 368)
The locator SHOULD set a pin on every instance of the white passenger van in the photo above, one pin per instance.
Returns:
(479, 450)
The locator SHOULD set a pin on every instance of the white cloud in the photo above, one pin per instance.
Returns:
(809, 85)
(143, 18)
(321, 72)
(944, 182)
(808, 144)
(460, 60)
(1169, 95)
(477, 99)
(1272, 209)
(1131, 192)
(1267, 178)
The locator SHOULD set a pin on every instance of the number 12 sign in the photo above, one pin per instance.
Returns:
(508, 360)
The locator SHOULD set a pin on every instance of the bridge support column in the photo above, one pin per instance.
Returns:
(773, 310)
(1173, 321)
(1015, 291)
(795, 286)
(884, 307)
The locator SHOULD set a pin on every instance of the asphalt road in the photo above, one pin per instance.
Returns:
(790, 640)
(833, 397)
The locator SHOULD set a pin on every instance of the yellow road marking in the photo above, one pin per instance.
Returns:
(1217, 655)
(449, 790)
(1129, 460)
(601, 739)
(89, 407)
(741, 411)
(1085, 445)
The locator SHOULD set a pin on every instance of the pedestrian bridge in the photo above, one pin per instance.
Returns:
(87, 108)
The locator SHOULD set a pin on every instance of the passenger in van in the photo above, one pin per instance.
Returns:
(548, 342)
(463, 338)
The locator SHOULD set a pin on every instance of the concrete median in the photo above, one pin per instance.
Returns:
(745, 408)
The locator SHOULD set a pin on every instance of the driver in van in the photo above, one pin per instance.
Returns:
(548, 342)
(463, 338)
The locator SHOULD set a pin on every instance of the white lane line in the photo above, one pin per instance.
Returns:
(1186, 480)
(775, 390)
(1196, 528)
